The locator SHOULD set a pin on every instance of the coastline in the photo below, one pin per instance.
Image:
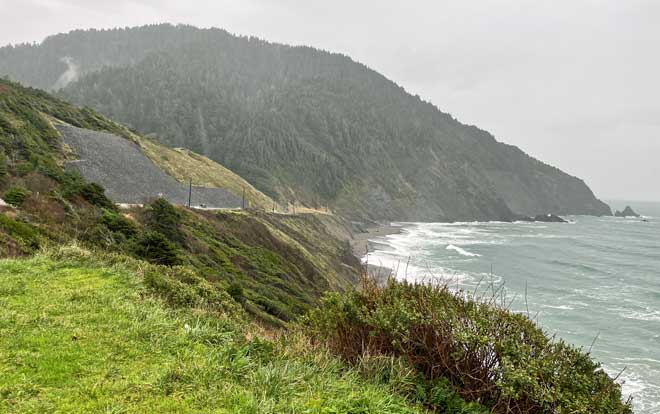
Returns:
(360, 247)
(361, 237)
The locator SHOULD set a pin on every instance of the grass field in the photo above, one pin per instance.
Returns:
(79, 336)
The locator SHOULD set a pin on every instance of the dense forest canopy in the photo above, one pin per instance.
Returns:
(299, 123)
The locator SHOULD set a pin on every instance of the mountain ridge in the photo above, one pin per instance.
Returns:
(302, 124)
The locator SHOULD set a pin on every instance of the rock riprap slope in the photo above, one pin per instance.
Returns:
(128, 175)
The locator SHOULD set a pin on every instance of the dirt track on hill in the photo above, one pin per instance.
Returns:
(129, 176)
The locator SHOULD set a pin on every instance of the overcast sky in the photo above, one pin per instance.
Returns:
(574, 83)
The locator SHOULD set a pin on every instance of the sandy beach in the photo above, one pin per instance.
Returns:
(360, 241)
(360, 247)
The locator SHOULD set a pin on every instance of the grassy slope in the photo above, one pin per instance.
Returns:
(283, 263)
(80, 336)
(183, 165)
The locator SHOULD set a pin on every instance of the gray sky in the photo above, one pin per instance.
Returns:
(574, 83)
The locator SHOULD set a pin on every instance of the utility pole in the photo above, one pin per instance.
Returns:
(189, 192)
(243, 198)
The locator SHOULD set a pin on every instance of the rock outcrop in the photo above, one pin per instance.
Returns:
(549, 218)
(543, 218)
(627, 212)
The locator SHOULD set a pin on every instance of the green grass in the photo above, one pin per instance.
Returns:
(78, 334)
(183, 165)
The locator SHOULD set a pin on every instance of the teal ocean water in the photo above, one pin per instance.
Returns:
(595, 277)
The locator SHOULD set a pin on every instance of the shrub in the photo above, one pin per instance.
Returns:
(182, 287)
(155, 248)
(485, 353)
(4, 169)
(72, 182)
(235, 290)
(117, 223)
(95, 195)
(16, 195)
(27, 235)
(164, 218)
(98, 235)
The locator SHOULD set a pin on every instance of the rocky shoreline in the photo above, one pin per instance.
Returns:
(361, 237)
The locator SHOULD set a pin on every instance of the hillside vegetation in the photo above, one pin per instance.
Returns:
(86, 334)
(499, 361)
(277, 266)
(166, 309)
(185, 165)
(299, 123)
(84, 331)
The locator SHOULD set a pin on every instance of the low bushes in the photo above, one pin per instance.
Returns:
(182, 287)
(156, 248)
(117, 223)
(95, 195)
(164, 218)
(487, 354)
(27, 236)
(16, 195)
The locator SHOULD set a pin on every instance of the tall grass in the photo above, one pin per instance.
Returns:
(86, 332)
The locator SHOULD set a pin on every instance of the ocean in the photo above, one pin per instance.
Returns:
(595, 279)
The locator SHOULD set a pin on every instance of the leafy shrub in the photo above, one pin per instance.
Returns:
(16, 195)
(73, 185)
(399, 375)
(27, 235)
(72, 182)
(485, 353)
(95, 195)
(24, 168)
(98, 235)
(117, 223)
(235, 290)
(4, 169)
(182, 287)
(156, 248)
(164, 218)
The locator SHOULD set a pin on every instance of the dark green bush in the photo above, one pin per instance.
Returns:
(164, 218)
(24, 168)
(72, 183)
(156, 248)
(98, 235)
(117, 223)
(16, 195)
(485, 353)
(27, 235)
(95, 195)
(398, 374)
(182, 287)
(4, 169)
(235, 290)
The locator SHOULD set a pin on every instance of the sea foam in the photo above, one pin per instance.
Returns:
(461, 251)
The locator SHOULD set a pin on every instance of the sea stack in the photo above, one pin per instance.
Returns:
(549, 218)
(627, 212)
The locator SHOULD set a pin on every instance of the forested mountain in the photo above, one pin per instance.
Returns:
(299, 123)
